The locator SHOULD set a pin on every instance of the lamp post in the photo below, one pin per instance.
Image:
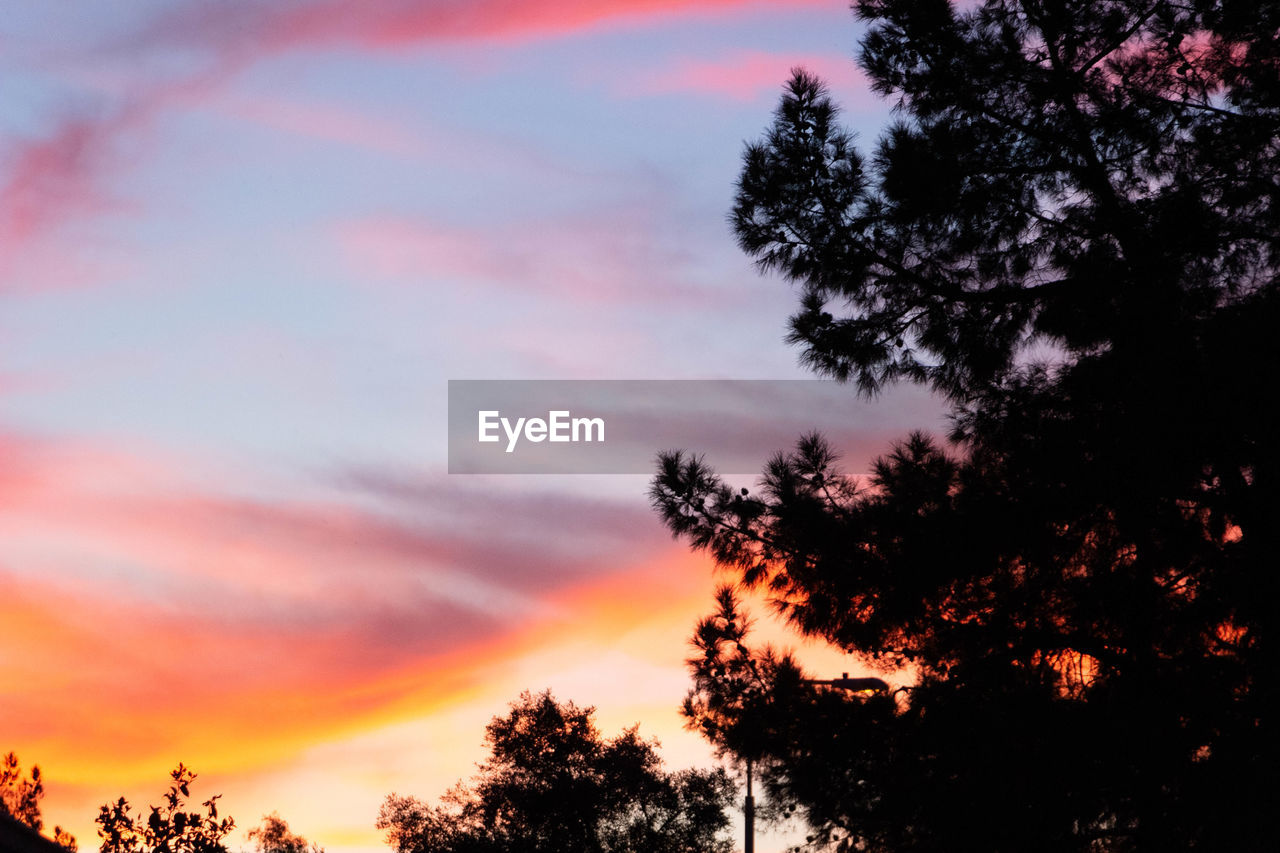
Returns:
(844, 682)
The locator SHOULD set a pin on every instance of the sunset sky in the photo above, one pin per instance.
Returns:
(243, 248)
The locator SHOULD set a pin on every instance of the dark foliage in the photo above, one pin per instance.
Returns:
(20, 799)
(552, 784)
(1093, 175)
(1080, 588)
(273, 836)
(169, 828)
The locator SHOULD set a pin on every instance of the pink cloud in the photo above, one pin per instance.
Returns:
(54, 181)
(58, 179)
(253, 28)
(749, 76)
(70, 510)
(48, 182)
(49, 176)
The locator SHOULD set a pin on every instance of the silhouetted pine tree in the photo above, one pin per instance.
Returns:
(1084, 580)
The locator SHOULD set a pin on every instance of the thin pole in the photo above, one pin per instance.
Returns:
(749, 813)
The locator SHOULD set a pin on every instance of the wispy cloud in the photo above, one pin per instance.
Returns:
(742, 76)
(59, 177)
(244, 28)
(46, 182)
(53, 180)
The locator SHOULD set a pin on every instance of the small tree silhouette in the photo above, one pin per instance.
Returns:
(20, 799)
(551, 784)
(273, 836)
(169, 828)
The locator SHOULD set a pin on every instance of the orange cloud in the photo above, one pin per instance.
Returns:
(615, 642)
(324, 647)
(146, 625)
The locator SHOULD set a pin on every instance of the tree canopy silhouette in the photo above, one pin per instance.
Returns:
(1070, 232)
(551, 783)
(273, 836)
(169, 828)
(20, 799)
(1096, 175)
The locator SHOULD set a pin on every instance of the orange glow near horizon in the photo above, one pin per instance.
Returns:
(234, 636)
(611, 642)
